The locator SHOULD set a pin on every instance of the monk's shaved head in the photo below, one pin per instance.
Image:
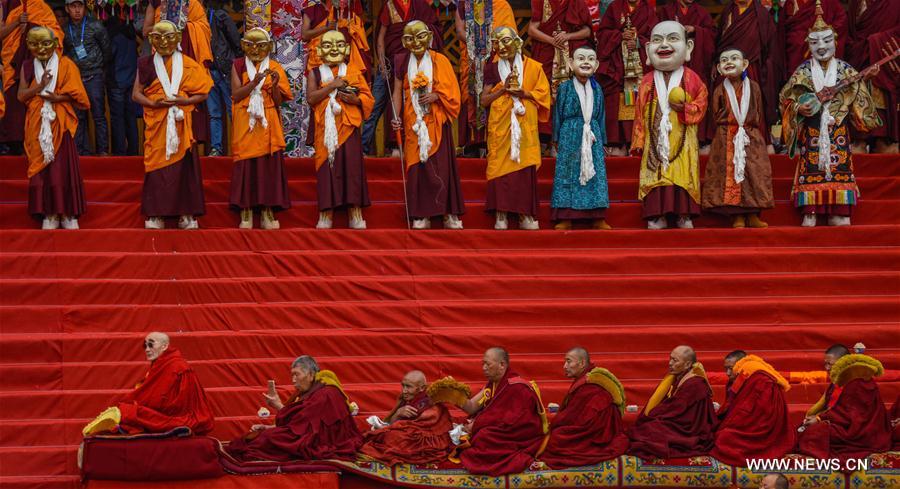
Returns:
(413, 383)
(416, 377)
(581, 354)
(577, 361)
(499, 354)
(155, 344)
(681, 360)
(833, 353)
(495, 363)
(774, 481)
(731, 359)
(686, 352)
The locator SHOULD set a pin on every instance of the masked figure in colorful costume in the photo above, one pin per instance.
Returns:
(738, 179)
(579, 185)
(314, 424)
(417, 430)
(850, 420)
(341, 100)
(51, 89)
(509, 427)
(321, 16)
(258, 86)
(518, 95)
(588, 428)
(17, 17)
(425, 86)
(817, 111)
(798, 17)
(679, 420)
(754, 419)
(169, 85)
(170, 396)
(671, 103)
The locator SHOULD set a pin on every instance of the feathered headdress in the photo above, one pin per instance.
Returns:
(449, 390)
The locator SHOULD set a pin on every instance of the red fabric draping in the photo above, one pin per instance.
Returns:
(422, 440)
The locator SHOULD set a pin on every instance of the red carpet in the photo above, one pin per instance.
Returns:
(373, 304)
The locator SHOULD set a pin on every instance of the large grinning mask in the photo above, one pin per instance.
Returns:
(257, 44)
(584, 62)
(506, 42)
(333, 49)
(732, 64)
(41, 43)
(821, 45)
(165, 37)
(416, 38)
(669, 47)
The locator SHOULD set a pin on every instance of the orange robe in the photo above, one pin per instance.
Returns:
(2, 104)
(194, 81)
(349, 120)
(68, 82)
(445, 85)
(499, 161)
(261, 141)
(197, 31)
(39, 14)
(503, 17)
(424, 439)
(353, 28)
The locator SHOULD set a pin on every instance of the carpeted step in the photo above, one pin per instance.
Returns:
(41, 482)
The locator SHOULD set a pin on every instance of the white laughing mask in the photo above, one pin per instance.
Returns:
(669, 48)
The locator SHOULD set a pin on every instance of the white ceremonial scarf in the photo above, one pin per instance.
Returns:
(662, 98)
(586, 99)
(48, 115)
(822, 79)
(255, 108)
(741, 139)
(333, 109)
(505, 68)
(419, 127)
(170, 88)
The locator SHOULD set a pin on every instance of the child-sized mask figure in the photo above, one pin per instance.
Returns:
(416, 38)
(333, 49)
(165, 37)
(669, 47)
(41, 43)
(584, 62)
(257, 45)
(732, 64)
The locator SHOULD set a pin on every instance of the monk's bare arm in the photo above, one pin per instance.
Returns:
(192, 100)
(379, 46)
(240, 92)
(315, 93)
(473, 405)
(535, 32)
(277, 96)
(6, 28)
(397, 103)
(582, 33)
(137, 95)
(149, 20)
(460, 25)
(308, 33)
(26, 93)
(488, 95)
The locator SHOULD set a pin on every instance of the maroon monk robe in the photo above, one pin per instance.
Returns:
(611, 73)
(856, 426)
(755, 34)
(799, 16)
(170, 396)
(508, 432)
(873, 32)
(424, 439)
(682, 425)
(588, 428)
(895, 415)
(568, 15)
(316, 426)
(754, 422)
(703, 56)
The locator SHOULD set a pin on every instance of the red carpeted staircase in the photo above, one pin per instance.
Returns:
(370, 305)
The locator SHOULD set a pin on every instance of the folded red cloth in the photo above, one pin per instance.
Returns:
(150, 459)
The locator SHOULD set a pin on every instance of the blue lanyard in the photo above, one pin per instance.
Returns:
(83, 22)
(211, 11)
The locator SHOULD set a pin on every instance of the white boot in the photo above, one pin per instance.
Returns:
(838, 220)
(684, 222)
(50, 222)
(356, 218)
(325, 221)
(658, 223)
(246, 219)
(528, 223)
(501, 223)
(188, 222)
(452, 221)
(424, 223)
(154, 223)
(69, 222)
(267, 219)
(809, 221)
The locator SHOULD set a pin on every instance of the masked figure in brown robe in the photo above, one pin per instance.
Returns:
(679, 420)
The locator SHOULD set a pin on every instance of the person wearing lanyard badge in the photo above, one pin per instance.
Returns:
(87, 44)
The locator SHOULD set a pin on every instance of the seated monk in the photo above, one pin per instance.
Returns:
(754, 419)
(419, 425)
(679, 420)
(588, 428)
(314, 424)
(850, 420)
(509, 425)
(170, 396)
